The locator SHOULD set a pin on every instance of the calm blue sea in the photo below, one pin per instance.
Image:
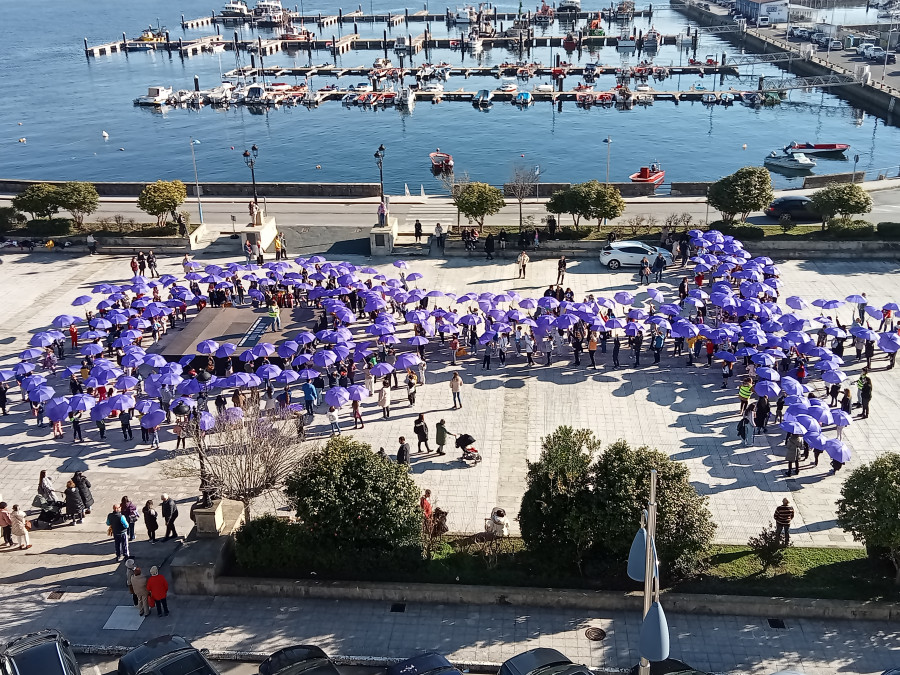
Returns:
(61, 102)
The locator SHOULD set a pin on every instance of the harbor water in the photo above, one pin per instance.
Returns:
(61, 102)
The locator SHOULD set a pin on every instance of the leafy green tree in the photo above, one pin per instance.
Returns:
(869, 507)
(564, 201)
(748, 189)
(41, 200)
(841, 199)
(10, 218)
(478, 200)
(620, 488)
(79, 199)
(589, 200)
(349, 501)
(555, 516)
(162, 198)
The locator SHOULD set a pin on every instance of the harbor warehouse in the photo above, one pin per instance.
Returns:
(776, 10)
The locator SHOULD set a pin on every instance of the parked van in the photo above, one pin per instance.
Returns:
(763, 22)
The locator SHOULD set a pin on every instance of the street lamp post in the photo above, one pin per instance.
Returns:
(855, 162)
(250, 160)
(643, 565)
(196, 181)
(608, 142)
(379, 160)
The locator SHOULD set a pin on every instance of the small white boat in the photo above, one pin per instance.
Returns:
(221, 94)
(652, 40)
(407, 98)
(794, 162)
(627, 39)
(257, 95)
(268, 7)
(401, 44)
(466, 15)
(524, 99)
(236, 9)
(568, 6)
(544, 88)
(155, 96)
(509, 86)
(483, 97)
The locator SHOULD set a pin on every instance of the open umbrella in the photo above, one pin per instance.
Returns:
(56, 409)
(337, 396)
(381, 369)
(358, 392)
(268, 371)
(324, 358)
(837, 450)
(286, 377)
(121, 402)
(841, 418)
(207, 421)
(408, 360)
(146, 405)
(767, 388)
(308, 373)
(793, 427)
(153, 419)
(82, 402)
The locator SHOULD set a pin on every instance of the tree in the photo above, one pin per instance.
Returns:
(555, 516)
(748, 189)
(564, 201)
(603, 202)
(841, 199)
(350, 502)
(870, 504)
(521, 186)
(162, 198)
(476, 201)
(41, 200)
(621, 486)
(240, 458)
(79, 199)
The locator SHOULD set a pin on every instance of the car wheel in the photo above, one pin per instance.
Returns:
(613, 264)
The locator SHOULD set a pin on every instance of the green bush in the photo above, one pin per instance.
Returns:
(888, 230)
(170, 230)
(10, 219)
(855, 229)
(55, 227)
(767, 547)
(745, 232)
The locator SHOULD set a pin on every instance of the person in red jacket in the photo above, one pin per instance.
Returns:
(158, 588)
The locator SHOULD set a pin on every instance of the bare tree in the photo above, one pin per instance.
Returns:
(241, 458)
(521, 186)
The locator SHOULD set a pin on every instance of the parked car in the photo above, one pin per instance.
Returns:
(802, 34)
(798, 208)
(862, 47)
(669, 667)
(542, 661)
(298, 659)
(164, 655)
(429, 663)
(46, 652)
(629, 253)
(835, 45)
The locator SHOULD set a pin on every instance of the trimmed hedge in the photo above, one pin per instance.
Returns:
(55, 227)
(745, 232)
(888, 230)
(855, 229)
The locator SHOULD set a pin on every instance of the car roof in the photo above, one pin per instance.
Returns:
(629, 242)
(790, 198)
(38, 658)
(307, 659)
(429, 662)
(533, 660)
(151, 652)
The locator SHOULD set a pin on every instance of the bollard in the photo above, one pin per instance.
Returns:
(124, 39)
(385, 43)
(196, 83)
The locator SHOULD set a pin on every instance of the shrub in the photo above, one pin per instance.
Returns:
(854, 229)
(748, 232)
(748, 189)
(786, 223)
(767, 547)
(888, 230)
(55, 227)
(10, 219)
(41, 200)
(268, 545)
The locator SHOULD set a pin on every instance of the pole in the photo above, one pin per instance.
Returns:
(608, 145)
(196, 182)
(253, 178)
(649, 562)
(381, 177)
(707, 204)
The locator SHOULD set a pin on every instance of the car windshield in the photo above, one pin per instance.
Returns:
(190, 663)
(42, 659)
(302, 666)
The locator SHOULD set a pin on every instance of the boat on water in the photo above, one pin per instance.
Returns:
(407, 98)
(433, 88)
(235, 9)
(544, 15)
(709, 98)
(544, 88)
(652, 40)
(297, 35)
(584, 99)
(220, 95)
(150, 35)
(137, 46)
(441, 162)
(569, 42)
(792, 162)
(524, 99)
(649, 174)
(268, 7)
(627, 39)
(466, 15)
(509, 86)
(156, 96)
(816, 148)
(401, 44)
(483, 98)
(568, 7)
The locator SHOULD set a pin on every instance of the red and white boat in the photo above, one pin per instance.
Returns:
(441, 162)
(649, 174)
(816, 148)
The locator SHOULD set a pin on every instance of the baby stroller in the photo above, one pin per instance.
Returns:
(51, 511)
(469, 454)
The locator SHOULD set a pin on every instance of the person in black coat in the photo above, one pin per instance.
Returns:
(84, 489)
(74, 505)
(169, 513)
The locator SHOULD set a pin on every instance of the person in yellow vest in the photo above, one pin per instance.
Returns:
(275, 315)
(745, 391)
(277, 243)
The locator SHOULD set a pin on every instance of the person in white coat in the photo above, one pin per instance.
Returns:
(19, 529)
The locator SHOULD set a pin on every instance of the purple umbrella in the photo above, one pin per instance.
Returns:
(237, 381)
(81, 300)
(358, 392)
(407, 360)
(268, 371)
(146, 405)
(207, 347)
(418, 340)
(83, 402)
(337, 396)
(207, 420)
(401, 264)
(287, 349)
(725, 356)
(767, 373)
(121, 402)
(262, 349)
(793, 427)
(324, 358)
(837, 450)
(308, 373)
(792, 387)
(766, 388)
(225, 349)
(624, 298)
(834, 376)
(126, 382)
(381, 369)
(841, 419)
(286, 377)
(56, 409)
(153, 419)
(41, 394)
(101, 411)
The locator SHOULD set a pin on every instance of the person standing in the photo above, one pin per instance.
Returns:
(861, 310)
(309, 396)
(645, 271)
(561, 270)
(439, 235)
(19, 528)
(440, 436)
(384, 400)
(125, 421)
(6, 524)
(489, 246)
(657, 345)
(248, 251)
(522, 261)
(357, 415)
(277, 243)
(412, 383)
(134, 265)
(118, 529)
(761, 418)
(169, 514)
(793, 444)
(158, 588)
(617, 346)
(139, 588)
(456, 384)
(417, 231)
(151, 520)
(866, 397)
(129, 510)
(74, 504)
(4, 399)
(744, 393)
(636, 344)
(420, 428)
(45, 486)
(334, 420)
(860, 383)
(403, 452)
(783, 516)
(659, 264)
(151, 263)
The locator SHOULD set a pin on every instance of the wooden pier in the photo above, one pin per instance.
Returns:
(190, 24)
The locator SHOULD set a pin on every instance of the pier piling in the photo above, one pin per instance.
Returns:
(385, 43)
(196, 83)
(86, 51)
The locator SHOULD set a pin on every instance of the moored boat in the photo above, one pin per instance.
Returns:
(652, 40)
(524, 98)
(156, 96)
(441, 162)
(544, 15)
(649, 174)
(816, 148)
(792, 162)
(235, 9)
(569, 42)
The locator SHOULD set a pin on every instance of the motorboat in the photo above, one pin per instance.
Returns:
(524, 99)
(509, 86)
(433, 88)
(466, 15)
(709, 98)
(138, 46)
(652, 40)
(156, 96)
(407, 98)
(401, 44)
(268, 7)
(544, 88)
(793, 162)
(483, 98)
(472, 42)
(544, 15)
(441, 162)
(649, 174)
(256, 95)
(584, 99)
(382, 63)
(220, 95)
(273, 20)
(816, 148)
(627, 39)
(235, 9)
(568, 7)
(297, 35)
(569, 42)
(150, 36)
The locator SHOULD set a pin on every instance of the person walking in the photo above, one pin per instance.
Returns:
(129, 510)
(783, 516)
(384, 400)
(139, 588)
(6, 524)
(334, 420)
(151, 520)
(420, 428)
(440, 436)
(727, 372)
(74, 505)
(356, 415)
(125, 421)
(793, 445)
(403, 451)
(489, 246)
(659, 264)
(645, 271)
(456, 384)
(118, 530)
(169, 514)
(19, 528)
(866, 397)
(745, 391)
(522, 261)
(158, 588)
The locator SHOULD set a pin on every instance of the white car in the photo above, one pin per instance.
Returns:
(630, 253)
(861, 48)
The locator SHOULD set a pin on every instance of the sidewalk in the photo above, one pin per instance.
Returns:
(467, 635)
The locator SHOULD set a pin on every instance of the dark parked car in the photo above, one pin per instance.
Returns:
(669, 667)
(429, 663)
(798, 208)
(542, 661)
(298, 659)
(165, 655)
(43, 653)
